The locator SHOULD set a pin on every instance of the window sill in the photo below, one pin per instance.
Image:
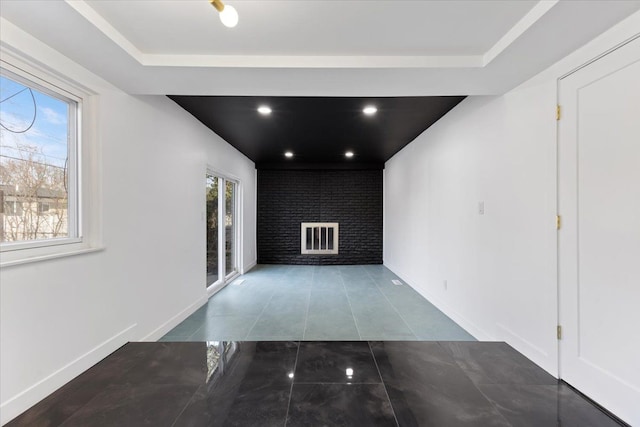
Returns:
(45, 257)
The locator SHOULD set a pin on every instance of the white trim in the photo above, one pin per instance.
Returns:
(302, 61)
(216, 287)
(594, 59)
(222, 229)
(477, 332)
(88, 167)
(15, 405)
(160, 331)
(14, 42)
(249, 267)
(527, 348)
(42, 84)
(212, 292)
(40, 243)
(231, 277)
(223, 278)
(46, 257)
(106, 28)
(533, 16)
(480, 60)
(54, 82)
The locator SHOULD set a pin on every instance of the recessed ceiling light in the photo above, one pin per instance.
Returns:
(264, 110)
(369, 110)
(349, 154)
(288, 154)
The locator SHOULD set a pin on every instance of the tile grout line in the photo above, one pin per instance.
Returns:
(195, 332)
(420, 296)
(355, 322)
(206, 316)
(384, 385)
(185, 406)
(450, 353)
(258, 318)
(74, 413)
(394, 307)
(295, 366)
(306, 317)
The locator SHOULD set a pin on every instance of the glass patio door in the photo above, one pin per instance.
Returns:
(231, 267)
(221, 231)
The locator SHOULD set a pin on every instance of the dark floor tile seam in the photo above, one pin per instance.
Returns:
(295, 366)
(306, 316)
(258, 317)
(110, 383)
(337, 382)
(394, 307)
(460, 364)
(491, 402)
(185, 406)
(355, 322)
(78, 410)
(384, 385)
(487, 398)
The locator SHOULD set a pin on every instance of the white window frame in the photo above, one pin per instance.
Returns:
(227, 277)
(84, 196)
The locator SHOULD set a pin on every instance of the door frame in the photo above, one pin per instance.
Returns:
(225, 278)
(564, 308)
(559, 299)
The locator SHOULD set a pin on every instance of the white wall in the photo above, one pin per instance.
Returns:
(500, 267)
(60, 316)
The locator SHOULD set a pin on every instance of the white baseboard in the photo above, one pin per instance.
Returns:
(530, 350)
(534, 353)
(19, 403)
(249, 266)
(159, 332)
(477, 332)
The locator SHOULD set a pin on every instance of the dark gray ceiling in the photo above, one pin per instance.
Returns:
(318, 130)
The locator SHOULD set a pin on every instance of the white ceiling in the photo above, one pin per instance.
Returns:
(316, 47)
(315, 27)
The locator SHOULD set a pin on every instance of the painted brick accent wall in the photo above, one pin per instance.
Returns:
(352, 198)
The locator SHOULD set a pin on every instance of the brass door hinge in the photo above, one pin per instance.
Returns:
(559, 332)
(558, 112)
(558, 222)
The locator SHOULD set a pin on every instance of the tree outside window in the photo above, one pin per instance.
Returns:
(36, 137)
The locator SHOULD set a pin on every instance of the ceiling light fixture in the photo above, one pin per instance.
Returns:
(370, 110)
(348, 154)
(228, 14)
(288, 154)
(264, 110)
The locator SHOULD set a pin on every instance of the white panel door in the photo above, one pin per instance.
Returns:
(599, 242)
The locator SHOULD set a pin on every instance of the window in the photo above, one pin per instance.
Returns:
(12, 208)
(38, 168)
(43, 207)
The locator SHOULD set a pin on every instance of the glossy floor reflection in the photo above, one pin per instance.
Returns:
(282, 302)
(292, 383)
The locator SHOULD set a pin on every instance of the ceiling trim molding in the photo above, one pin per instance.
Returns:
(295, 61)
(284, 61)
(95, 19)
(533, 16)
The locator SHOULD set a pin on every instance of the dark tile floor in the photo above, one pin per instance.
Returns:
(291, 383)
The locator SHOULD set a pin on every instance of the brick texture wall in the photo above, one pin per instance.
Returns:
(352, 198)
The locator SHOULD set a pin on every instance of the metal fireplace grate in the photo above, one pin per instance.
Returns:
(319, 238)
